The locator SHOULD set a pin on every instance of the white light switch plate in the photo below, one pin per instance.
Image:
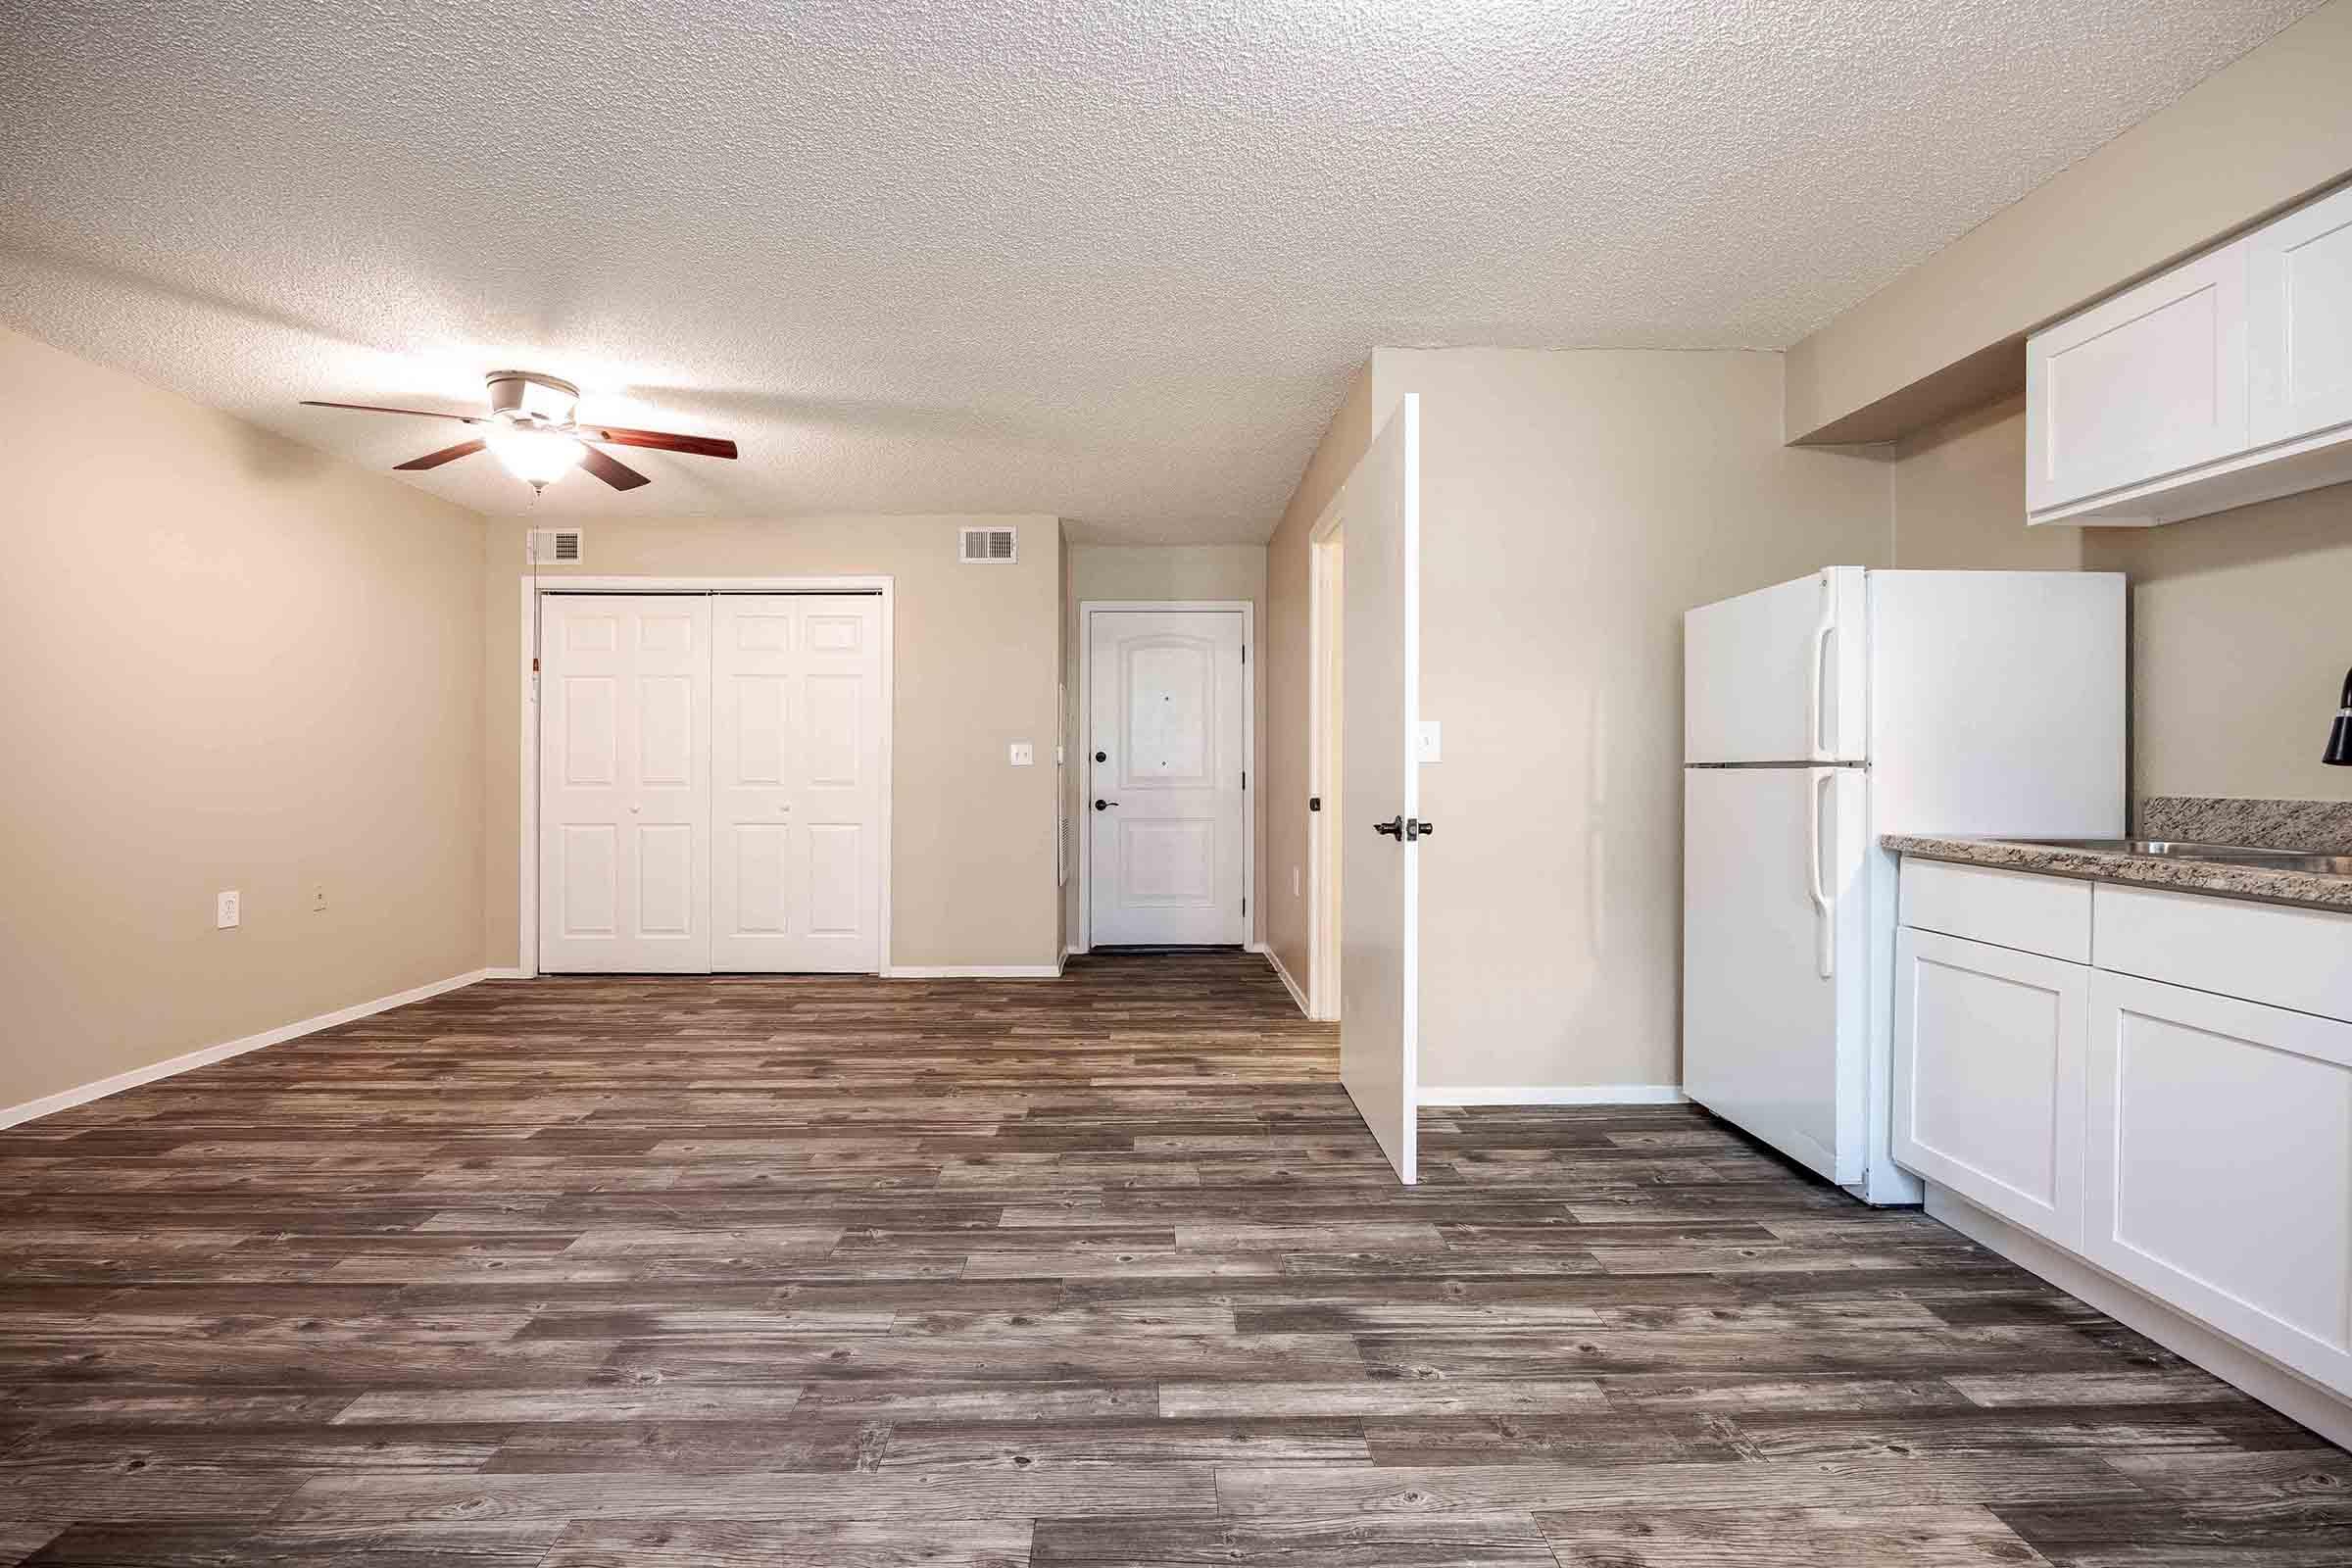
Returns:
(1024, 754)
(1430, 750)
(225, 910)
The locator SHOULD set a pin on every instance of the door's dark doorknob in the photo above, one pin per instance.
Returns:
(1105, 805)
(1102, 756)
(1393, 827)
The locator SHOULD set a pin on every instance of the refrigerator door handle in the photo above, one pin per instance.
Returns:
(1818, 650)
(1825, 908)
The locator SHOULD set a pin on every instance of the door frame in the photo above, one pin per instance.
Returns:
(1325, 549)
(532, 588)
(1083, 939)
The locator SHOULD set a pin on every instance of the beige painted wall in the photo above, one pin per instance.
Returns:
(1572, 505)
(1959, 495)
(2238, 631)
(977, 657)
(1283, 634)
(2260, 134)
(227, 661)
(1160, 574)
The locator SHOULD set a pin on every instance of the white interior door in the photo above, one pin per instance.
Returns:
(795, 783)
(1379, 788)
(1167, 862)
(624, 784)
(1773, 995)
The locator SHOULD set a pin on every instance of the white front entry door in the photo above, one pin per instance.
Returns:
(1168, 742)
(1380, 788)
(624, 784)
(795, 783)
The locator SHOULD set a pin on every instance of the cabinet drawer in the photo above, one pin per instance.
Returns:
(2045, 915)
(2267, 953)
(1989, 1077)
(2217, 1169)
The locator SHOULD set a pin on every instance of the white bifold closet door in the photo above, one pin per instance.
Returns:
(795, 785)
(624, 784)
(710, 783)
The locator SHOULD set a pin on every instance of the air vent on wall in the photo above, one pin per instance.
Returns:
(548, 547)
(987, 546)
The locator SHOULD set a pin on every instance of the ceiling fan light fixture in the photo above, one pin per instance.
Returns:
(538, 458)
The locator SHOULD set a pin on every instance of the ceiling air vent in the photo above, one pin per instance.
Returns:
(548, 547)
(987, 546)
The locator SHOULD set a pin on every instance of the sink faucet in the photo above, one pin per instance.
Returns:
(2339, 735)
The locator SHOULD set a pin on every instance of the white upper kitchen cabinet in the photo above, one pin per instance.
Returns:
(2299, 321)
(2223, 381)
(2150, 383)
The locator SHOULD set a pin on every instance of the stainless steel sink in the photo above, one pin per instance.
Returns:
(2232, 854)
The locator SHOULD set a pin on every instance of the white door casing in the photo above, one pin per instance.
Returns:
(1167, 745)
(795, 783)
(1379, 780)
(624, 808)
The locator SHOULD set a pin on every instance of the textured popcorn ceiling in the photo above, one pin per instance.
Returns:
(1111, 260)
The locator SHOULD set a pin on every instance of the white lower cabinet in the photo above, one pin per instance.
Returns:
(2193, 1143)
(2218, 1164)
(1989, 1053)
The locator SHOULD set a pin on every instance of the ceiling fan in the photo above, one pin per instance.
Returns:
(533, 428)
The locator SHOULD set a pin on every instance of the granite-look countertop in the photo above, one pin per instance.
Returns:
(2228, 879)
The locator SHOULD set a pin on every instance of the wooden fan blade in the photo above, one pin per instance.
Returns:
(434, 459)
(377, 408)
(620, 475)
(700, 446)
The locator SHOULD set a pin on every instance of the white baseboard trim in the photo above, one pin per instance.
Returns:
(205, 1056)
(1557, 1094)
(1287, 983)
(2284, 1391)
(972, 971)
(509, 972)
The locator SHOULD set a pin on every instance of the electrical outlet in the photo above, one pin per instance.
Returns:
(1023, 753)
(318, 898)
(225, 910)
(1294, 882)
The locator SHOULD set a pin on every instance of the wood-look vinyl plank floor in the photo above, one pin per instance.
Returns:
(726, 1271)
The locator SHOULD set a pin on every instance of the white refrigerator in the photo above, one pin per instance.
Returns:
(1816, 716)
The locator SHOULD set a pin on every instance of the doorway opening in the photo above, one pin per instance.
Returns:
(1164, 845)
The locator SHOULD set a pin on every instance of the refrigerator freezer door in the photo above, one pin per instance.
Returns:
(1776, 981)
(1776, 675)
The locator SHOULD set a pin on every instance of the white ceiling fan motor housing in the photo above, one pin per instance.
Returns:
(523, 397)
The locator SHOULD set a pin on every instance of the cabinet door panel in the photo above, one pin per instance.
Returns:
(2299, 321)
(2151, 383)
(1989, 1046)
(2218, 1172)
